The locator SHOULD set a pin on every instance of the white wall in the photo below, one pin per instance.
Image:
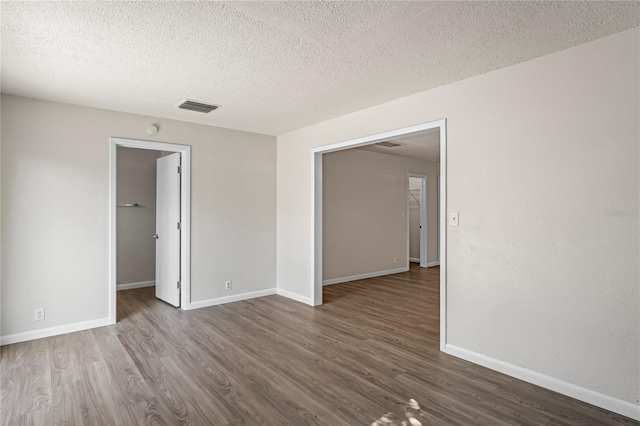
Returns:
(364, 199)
(136, 182)
(55, 192)
(538, 276)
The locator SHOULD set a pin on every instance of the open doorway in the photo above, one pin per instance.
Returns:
(136, 217)
(391, 181)
(417, 230)
(423, 220)
(149, 220)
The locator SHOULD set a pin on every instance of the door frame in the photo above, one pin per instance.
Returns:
(185, 215)
(316, 207)
(424, 231)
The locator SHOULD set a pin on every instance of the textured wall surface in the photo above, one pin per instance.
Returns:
(55, 192)
(364, 197)
(136, 249)
(539, 275)
(277, 66)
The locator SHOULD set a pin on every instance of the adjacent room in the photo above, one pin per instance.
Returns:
(136, 218)
(148, 224)
(375, 221)
(332, 213)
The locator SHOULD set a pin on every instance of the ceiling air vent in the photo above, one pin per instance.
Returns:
(389, 144)
(197, 106)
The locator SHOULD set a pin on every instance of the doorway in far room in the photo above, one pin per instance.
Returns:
(417, 220)
(147, 223)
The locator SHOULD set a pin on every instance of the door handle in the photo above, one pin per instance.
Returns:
(155, 236)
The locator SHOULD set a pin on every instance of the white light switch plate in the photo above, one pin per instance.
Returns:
(453, 219)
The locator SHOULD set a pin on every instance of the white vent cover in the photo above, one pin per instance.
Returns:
(389, 144)
(197, 106)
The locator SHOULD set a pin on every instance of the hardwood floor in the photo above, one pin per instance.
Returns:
(366, 353)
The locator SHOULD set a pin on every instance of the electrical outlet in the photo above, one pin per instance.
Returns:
(453, 219)
(39, 314)
(395, 260)
(227, 285)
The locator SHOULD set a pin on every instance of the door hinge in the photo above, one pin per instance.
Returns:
(179, 225)
(179, 285)
(179, 169)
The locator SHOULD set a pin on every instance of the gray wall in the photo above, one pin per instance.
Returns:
(55, 192)
(364, 198)
(538, 275)
(136, 249)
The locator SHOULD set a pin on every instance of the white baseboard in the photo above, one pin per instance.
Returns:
(53, 331)
(141, 284)
(591, 397)
(229, 299)
(414, 259)
(364, 276)
(430, 264)
(294, 296)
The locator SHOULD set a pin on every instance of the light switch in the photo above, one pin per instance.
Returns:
(453, 219)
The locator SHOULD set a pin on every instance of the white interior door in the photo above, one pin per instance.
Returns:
(168, 229)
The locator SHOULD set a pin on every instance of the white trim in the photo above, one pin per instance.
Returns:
(424, 223)
(582, 394)
(316, 208)
(294, 296)
(368, 140)
(53, 331)
(364, 276)
(234, 298)
(141, 284)
(442, 236)
(414, 260)
(113, 185)
(185, 215)
(316, 228)
(431, 264)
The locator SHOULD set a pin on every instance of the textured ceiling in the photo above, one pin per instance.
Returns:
(277, 66)
(425, 146)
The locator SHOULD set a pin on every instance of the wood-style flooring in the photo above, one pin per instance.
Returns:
(366, 353)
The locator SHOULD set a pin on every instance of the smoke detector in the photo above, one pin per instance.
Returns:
(389, 144)
(197, 106)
